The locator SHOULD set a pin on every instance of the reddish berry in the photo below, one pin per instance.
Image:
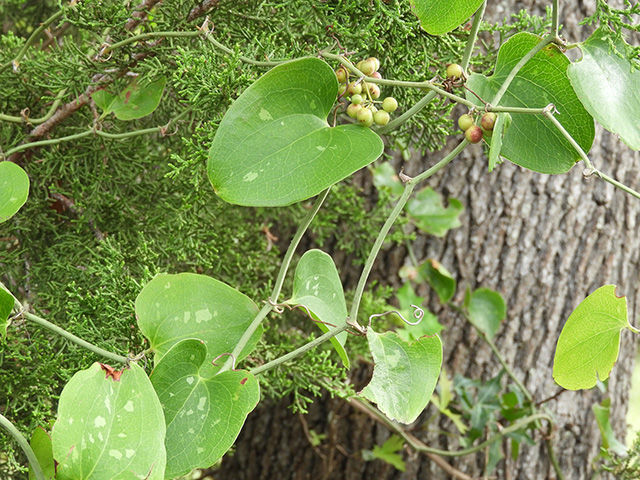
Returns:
(488, 121)
(473, 134)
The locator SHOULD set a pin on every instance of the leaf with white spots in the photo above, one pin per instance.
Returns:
(171, 308)
(109, 429)
(274, 146)
(204, 414)
(317, 286)
(404, 376)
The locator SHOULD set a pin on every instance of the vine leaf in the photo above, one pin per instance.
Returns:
(138, 100)
(589, 343)
(608, 85)
(404, 376)
(609, 439)
(171, 308)
(274, 146)
(41, 445)
(6, 307)
(441, 16)
(204, 414)
(439, 278)
(14, 189)
(502, 123)
(486, 310)
(532, 141)
(430, 215)
(109, 429)
(317, 286)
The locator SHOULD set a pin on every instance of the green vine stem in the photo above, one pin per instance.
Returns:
(419, 446)
(496, 352)
(473, 35)
(77, 340)
(275, 293)
(99, 133)
(555, 20)
(523, 61)
(375, 249)
(31, 39)
(591, 170)
(396, 122)
(207, 36)
(299, 351)
(24, 444)
(35, 121)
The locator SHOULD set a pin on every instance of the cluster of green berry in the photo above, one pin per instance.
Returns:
(472, 132)
(363, 95)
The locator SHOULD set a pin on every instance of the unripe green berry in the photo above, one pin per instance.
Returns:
(354, 88)
(353, 109)
(381, 117)
(389, 104)
(367, 67)
(473, 134)
(465, 121)
(374, 90)
(341, 74)
(488, 121)
(376, 63)
(454, 71)
(342, 89)
(365, 117)
(356, 99)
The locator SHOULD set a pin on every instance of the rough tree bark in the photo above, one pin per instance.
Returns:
(544, 242)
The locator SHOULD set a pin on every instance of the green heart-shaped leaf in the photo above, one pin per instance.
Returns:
(608, 86)
(430, 215)
(441, 16)
(204, 415)
(138, 100)
(404, 376)
(109, 426)
(171, 308)
(41, 445)
(487, 310)
(589, 343)
(6, 307)
(532, 141)
(439, 278)
(317, 286)
(14, 189)
(274, 146)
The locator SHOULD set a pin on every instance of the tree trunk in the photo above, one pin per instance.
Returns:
(544, 242)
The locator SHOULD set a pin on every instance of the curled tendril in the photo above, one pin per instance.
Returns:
(277, 307)
(233, 360)
(418, 314)
(135, 358)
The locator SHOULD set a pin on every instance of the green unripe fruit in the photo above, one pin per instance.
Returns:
(342, 89)
(381, 117)
(356, 99)
(353, 109)
(454, 71)
(354, 88)
(389, 104)
(376, 63)
(365, 117)
(465, 121)
(374, 91)
(367, 67)
(341, 74)
(488, 121)
(473, 134)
